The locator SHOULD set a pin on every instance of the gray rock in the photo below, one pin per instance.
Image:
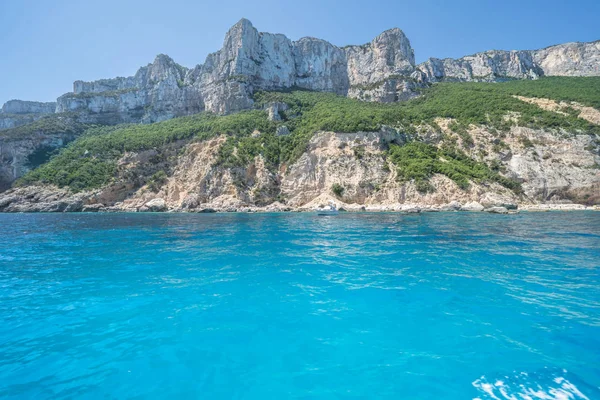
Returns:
(93, 207)
(382, 70)
(497, 210)
(190, 202)
(570, 59)
(15, 150)
(274, 110)
(27, 107)
(6, 200)
(156, 205)
(16, 113)
(282, 131)
(472, 206)
(74, 206)
(452, 206)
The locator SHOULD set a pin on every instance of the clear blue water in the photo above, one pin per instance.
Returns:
(449, 305)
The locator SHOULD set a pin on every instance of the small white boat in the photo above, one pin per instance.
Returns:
(329, 210)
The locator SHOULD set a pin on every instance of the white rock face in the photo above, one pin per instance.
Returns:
(156, 92)
(388, 54)
(157, 204)
(27, 107)
(320, 66)
(570, 59)
(248, 61)
(383, 70)
(17, 112)
(472, 206)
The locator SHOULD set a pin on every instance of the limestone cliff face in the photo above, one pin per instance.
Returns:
(383, 70)
(248, 61)
(27, 107)
(17, 112)
(570, 59)
(155, 93)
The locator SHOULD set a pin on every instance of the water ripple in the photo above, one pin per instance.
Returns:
(383, 305)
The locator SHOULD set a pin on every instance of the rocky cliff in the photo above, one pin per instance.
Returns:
(248, 61)
(570, 59)
(383, 70)
(15, 113)
(554, 169)
(350, 144)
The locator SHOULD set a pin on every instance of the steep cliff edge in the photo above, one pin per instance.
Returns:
(383, 70)
(248, 61)
(15, 113)
(569, 59)
(26, 147)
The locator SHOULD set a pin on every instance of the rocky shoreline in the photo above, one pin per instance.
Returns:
(34, 200)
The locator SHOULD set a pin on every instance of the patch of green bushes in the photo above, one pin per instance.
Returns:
(90, 161)
(337, 189)
(66, 124)
(96, 152)
(157, 180)
(418, 162)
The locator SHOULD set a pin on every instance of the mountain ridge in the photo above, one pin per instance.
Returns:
(268, 120)
(383, 69)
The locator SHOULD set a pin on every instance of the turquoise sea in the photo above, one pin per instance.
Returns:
(277, 306)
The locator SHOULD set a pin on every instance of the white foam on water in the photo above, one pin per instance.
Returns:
(522, 387)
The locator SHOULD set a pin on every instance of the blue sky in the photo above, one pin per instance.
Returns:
(47, 44)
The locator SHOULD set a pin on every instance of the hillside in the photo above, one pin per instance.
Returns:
(457, 141)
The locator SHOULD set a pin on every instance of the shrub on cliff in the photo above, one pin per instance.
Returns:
(417, 162)
(337, 189)
(90, 161)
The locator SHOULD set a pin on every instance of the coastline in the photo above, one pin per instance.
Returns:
(282, 208)
(48, 199)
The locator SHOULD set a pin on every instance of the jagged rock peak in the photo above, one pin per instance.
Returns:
(381, 70)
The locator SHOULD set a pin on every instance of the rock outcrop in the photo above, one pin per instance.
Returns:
(383, 70)
(570, 59)
(348, 167)
(19, 156)
(155, 93)
(29, 146)
(27, 107)
(15, 113)
(249, 61)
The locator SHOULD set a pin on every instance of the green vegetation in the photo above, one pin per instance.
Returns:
(91, 161)
(64, 124)
(417, 162)
(467, 103)
(337, 189)
(157, 180)
(584, 90)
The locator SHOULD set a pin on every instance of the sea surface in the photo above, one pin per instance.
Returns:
(278, 306)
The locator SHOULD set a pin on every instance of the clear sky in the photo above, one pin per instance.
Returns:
(47, 44)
